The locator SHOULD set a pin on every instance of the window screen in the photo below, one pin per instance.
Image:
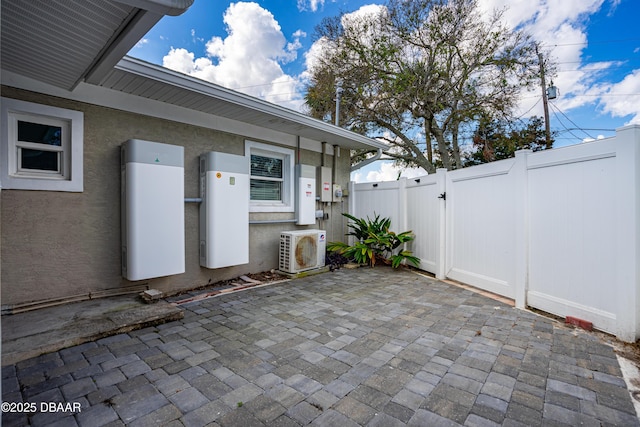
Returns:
(266, 178)
(39, 147)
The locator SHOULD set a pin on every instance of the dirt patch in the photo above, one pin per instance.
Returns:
(267, 276)
(255, 278)
(630, 351)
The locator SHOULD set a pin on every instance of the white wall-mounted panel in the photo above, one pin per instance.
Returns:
(152, 210)
(305, 194)
(324, 183)
(224, 211)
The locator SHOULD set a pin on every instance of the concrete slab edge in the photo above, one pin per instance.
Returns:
(14, 357)
(631, 375)
(228, 291)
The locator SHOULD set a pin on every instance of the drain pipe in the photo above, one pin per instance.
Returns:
(324, 152)
(334, 172)
(367, 161)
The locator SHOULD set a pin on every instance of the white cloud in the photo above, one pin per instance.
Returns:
(248, 59)
(179, 60)
(387, 171)
(293, 47)
(311, 5)
(142, 42)
(194, 38)
(599, 137)
(561, 28)
(348, 20)
(312, 55)
(618, 103)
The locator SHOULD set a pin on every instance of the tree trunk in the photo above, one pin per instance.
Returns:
(427, 137)
(455, 147)
(442, 144)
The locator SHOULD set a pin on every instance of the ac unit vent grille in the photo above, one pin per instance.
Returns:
(301, 250)
(306, 251)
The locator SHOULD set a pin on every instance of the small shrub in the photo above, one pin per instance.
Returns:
(335, 260)
(375, 243)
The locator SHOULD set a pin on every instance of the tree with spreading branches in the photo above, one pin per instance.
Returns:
(418, 74)
(497, 140)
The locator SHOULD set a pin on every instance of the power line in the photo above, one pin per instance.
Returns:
(594, 42)
(603, 95)
(566, 129)
(599, 61)
(595, 129)
(572, 122)
(532, 107)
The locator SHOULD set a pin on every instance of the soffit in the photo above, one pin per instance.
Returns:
(139, 78)
(60, 42)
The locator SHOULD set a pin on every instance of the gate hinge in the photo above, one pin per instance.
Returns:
(443, 196)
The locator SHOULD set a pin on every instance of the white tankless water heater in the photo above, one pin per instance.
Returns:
(224, 211)
(152, 204)
(306, 195)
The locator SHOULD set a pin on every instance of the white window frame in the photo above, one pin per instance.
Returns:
(287, 156)
(70, 175)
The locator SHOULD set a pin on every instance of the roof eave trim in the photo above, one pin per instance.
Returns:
(139, 25)
(161, 7)
(158, 73)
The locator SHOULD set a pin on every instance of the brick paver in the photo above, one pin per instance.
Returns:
(368, 347)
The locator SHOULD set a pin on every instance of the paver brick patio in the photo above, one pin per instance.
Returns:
(368, 347)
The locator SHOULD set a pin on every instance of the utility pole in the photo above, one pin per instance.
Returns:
(547, 129)
(338, 96)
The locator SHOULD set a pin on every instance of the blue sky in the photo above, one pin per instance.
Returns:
(263, 48)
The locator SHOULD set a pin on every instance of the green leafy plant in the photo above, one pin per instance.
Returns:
(375, 242)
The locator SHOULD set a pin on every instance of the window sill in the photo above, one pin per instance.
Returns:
(41, 184)
(271, 208)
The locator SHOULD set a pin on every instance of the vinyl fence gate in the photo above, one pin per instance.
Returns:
(555, 230)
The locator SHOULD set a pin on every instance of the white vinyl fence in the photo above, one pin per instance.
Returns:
(556, 230)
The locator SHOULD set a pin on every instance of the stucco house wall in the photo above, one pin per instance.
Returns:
(64, 244)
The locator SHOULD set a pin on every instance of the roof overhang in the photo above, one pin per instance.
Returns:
(63, 43)
(68, 47)
(145, 80)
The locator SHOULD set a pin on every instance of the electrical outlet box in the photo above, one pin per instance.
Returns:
(323, 179)
(337, 193)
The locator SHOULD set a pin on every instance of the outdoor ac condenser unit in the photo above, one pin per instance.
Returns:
(302, 250)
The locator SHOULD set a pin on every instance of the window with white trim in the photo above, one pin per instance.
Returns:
(271, 180)
(41, 147)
